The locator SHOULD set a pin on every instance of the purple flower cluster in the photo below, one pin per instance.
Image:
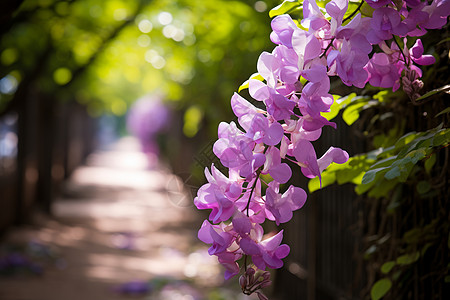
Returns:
(294, 94)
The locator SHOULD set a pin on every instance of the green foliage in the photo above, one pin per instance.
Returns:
(351, 171)
(245, 85)
(107, 54)
(380, 288)
(444, 88)
(285, 8)
(402, 179)
(394, 164)
(387, 267)
(351, 105)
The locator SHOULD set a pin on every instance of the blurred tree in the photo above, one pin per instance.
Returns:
(104, 55)
(193, 51)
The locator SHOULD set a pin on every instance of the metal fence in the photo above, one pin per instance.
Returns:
(325, 236)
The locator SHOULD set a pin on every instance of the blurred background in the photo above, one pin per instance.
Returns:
(108, 113)
(108, 109)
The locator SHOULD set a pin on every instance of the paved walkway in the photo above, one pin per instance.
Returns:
(119, 230)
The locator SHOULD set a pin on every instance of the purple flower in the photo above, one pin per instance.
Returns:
(262, 131)
(314, 19)
(350, 61)
(220, 236)
(228, 260)
(282, 27)
(438, 12)
(264, 253)
(282, 206)
(235, 150)
(337, 9)
(281, 172)
(311, 167)
(385, 22)
(278, 106)
(307, 47)
(383, 72)
(253, 207)
(416, 53)
(218, 195)
(378, 3)
(306, 157)
(298, 132)
(286, 60)
(315, 98)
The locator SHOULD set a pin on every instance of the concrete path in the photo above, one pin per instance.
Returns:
(119, 230)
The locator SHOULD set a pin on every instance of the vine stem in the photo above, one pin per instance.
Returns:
(343, 21)
(327, 48)
(401, 50)
(247, 207)
(354, 12)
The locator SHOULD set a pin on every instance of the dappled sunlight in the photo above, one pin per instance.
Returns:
(119, 221)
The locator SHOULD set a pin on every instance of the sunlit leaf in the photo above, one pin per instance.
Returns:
(285, 7)
(327, 179)
(387, 267)
(351, 113)
(380, 288)
(441, 138)
(408, 259)
(245, 85)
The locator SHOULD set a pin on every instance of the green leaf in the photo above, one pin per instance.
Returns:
(444, 41)
(382, 188)
(283, 8)
(337, 105)
(425, 248)
(351, 113)
(380, 288)
(396, 200)
(394, 172)
(245, 85)
(384, 162)
(423, 187)
(387, 267)
(371, 174)
(444, 88)
(314, 184)
(408, 259)
(442, 137)
(445, 111)
(327, 179)
(412, 236)
(366, 10)
(406, 139)
(429, 163)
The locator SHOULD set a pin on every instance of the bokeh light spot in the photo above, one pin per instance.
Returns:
(165, 18)
(9, 56)
(145, 26)
(62, 76)
(144, 40)
(260, 6)
(120, 14)
(118, 107)
(95, 11)
(8, 84)
(192, 118)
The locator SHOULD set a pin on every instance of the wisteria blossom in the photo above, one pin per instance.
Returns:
(327, 43)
